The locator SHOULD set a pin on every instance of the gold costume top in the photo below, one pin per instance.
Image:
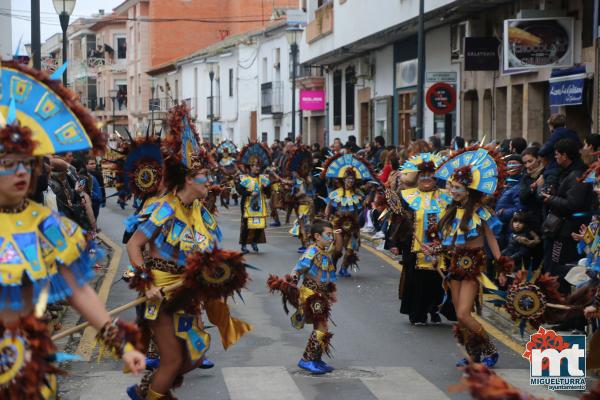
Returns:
(34, 243)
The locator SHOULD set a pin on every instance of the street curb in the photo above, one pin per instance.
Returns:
(88, 339)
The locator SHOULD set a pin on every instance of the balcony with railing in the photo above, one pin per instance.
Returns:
(310, 77)
(322, 25)
(271, 97)
(104, 105)
(213, 107)
(162, 104)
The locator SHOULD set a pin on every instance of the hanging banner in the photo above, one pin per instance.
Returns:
(312, 100)
(481, 53)
(567, 90)
(535, 43)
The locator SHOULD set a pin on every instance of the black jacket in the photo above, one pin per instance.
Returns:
(572, 198)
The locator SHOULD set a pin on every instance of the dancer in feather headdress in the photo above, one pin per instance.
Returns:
(345, 203)
(176, 241)
(465, 227)
(314, 297)
(228, 171)
(422, 205)
(44, 257)
(299, 167)
(254, 187)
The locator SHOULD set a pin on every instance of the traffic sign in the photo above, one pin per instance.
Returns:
(441, 98)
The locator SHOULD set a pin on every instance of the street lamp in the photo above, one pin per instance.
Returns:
(113, 97)
(64, 9)
(211, 75)
(291, 34)
(152, 106)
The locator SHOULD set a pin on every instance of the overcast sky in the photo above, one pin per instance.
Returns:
(21, 20)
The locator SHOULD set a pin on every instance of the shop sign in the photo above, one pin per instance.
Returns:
(441, 98)
(312, 100)
(567, 90)
(535, 43)
(481, 53)
(435, 77)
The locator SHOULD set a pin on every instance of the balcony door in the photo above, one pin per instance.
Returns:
(406, 116)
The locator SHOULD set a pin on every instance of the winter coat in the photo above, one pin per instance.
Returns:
(572, 197)
(547, 149)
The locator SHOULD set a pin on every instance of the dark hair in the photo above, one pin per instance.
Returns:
(557, 120)
(518, 144)
(380, 140)
(593, 140)
(531, 151)
(520, 216)
(394, 162)
(318, 226)
(568, 147)
(474, 201)
(352, 139)
(175, 174)
(459, 142)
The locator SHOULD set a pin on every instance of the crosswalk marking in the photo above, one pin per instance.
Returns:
(392, 383)
(261, 383)
(520, 379)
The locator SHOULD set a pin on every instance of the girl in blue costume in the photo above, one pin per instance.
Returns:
(43, 257)
(464, 228)
(314, 297)
(171, 227)
(345, 203)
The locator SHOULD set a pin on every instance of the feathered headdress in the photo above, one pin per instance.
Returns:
(181, 143)
(342, 165)
(299, 161)
(227, 145)
(423, 162)
(255, 154)
(475, 167)
(39, 116)
(140, 169)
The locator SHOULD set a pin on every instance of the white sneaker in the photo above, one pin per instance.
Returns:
(368, 229)
(381, 246)
(379, 235)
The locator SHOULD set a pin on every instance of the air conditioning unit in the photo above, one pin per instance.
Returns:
(364, 69)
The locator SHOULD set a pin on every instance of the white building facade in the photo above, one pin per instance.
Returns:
(6, 50)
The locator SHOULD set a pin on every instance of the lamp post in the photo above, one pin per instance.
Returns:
(211, 76)
(153, 90)
(36, 45)
(113, 97)
(291, 34)
(421, 72)
(64, 9)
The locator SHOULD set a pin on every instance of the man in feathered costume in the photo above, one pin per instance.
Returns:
(423, 206)
(178, 266)
(254, 187)
(345, 203)
(227, 172)
(299, 167)
(44, 257)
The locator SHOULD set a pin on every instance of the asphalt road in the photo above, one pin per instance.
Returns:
(378, 354)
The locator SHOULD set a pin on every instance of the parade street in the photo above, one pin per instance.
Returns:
(377, 355)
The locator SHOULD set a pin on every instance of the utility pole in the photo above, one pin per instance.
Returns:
(421, 75)
(36, 41)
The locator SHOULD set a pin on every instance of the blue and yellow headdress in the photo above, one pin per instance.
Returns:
(475, 167)
(423, 162)
(342, 165)
(227, 145)
(299, 161)
(255, 154)
(32, 100)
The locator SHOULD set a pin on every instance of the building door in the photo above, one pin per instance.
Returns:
(253, 127)
(406, 110)
(365, 114)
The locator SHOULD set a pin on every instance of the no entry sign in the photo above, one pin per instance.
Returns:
(441, 98)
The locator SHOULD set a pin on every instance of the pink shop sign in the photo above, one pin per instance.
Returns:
(312, 100)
